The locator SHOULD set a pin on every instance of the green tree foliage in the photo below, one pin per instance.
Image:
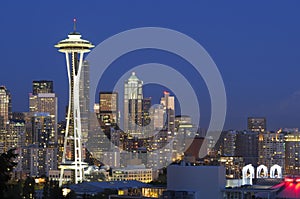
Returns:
(28, 189)
(7, 165)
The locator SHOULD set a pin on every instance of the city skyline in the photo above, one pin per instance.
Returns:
(260, 80)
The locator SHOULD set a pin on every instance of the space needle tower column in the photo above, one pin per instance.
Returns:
(74, 48)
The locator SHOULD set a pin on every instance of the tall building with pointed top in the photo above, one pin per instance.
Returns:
(133, 105)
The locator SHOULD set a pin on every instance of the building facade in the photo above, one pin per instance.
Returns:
(168, 103)
(132, 172)
(271, 149)
(257, 124)
(133, 105)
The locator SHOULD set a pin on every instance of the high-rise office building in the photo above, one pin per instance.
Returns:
(45, 103)
(292, 153)
(169, 104)
(247, 147)
(157, 113)
(184, 135)
(15, 134)
(226, 145)
(133, 105)
(147, 128)
(271, 149)
(257, 124)
(5, 115)
(42, 129)
(100, 142)
(40, 152)
(84, 99)
(42, 86)
(108, 109)
(5, 107)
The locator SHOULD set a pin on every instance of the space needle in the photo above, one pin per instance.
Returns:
(74, 48)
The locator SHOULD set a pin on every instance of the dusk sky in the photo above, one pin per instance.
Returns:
(255, 45)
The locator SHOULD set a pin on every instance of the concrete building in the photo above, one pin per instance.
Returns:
(5, 107)
(195, 182)
(287, 188)
(54, 175)
(157, 113)
(292, 153)
(108, 109)
(184, 135)
(168, 103)
(45, 103)
(132, 172)
(84, 99)
(247, 147)
(271, 149)
(116, 189)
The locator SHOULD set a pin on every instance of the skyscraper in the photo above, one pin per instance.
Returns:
(108, 109)
(5, 107)
(133, 105)
(146, 120)
(169, 105)
(257, 124)
(5, 115)
(271, 149)
(157, 113)
(84, 99)
(42, 129)
(247, 147)
(292, 153)
(43, 100)
(74, 48)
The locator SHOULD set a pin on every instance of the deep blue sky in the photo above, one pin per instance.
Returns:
(256, 46)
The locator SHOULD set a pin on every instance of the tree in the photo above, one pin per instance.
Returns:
(28, 189)
(7, 165)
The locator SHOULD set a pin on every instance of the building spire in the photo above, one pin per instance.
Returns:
(74, 26)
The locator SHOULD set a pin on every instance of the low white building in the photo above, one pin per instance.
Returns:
(132, 172)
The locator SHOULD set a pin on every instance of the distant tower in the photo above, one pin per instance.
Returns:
(84, 99)
(74, 48)
(169, 104)
(133, 105)
(44, 100)
(108, 109)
